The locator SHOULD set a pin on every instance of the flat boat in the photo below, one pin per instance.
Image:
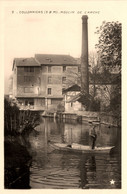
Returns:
(81, 148)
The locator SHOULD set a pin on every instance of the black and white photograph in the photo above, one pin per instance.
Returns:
(62, 116)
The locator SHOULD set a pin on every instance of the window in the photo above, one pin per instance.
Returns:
(49, 91)
(49, 80)
(31, 69)
(29, 101)
(71, 104)
(64, 68)
(28, 69)
(63, 80)
(25, 69)
(49, 69)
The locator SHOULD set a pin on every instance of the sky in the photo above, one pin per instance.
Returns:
(56, 30)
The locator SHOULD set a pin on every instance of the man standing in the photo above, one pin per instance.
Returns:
(93, 136)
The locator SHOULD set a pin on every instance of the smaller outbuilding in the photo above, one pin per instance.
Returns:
(72, 97)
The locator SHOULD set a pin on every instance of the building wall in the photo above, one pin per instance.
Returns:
(14, 93)
(44, 82)
(73, 106)
(28, 83)
(32, 103)
(56, 79)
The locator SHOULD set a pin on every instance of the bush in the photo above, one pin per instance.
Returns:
(60, 107)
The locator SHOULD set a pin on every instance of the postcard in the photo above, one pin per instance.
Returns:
(63, 96)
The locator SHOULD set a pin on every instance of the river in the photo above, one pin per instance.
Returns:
(54, 169)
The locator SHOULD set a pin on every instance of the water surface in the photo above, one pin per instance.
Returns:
(53, 169)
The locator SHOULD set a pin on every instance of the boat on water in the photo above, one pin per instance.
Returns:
(81, 148)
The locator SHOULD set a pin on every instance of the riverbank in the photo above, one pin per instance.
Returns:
(16, 164)
(86, 116)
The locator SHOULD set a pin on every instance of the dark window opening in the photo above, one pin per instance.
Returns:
(49, 91)
(64, 68)
(28, 69)
(49, 69)
(63, 89)
(29, 102)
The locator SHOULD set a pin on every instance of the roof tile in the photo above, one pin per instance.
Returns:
(45, 59)
(26, 62)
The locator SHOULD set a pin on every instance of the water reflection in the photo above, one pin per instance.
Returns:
(61, 170)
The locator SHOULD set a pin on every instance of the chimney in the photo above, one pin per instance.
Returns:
(84, 56)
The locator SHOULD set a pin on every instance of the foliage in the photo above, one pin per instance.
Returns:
(95, 105)
(10, 84)
(99, 76)
(115, 103)
(10, 107)
(60, 107)
(89, 102)
(10, 111)
(109, 44)
(16, 121)
(109, 50)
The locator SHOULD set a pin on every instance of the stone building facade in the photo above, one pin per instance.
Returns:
(38, 82)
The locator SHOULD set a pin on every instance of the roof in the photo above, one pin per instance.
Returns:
(74, 98)
(74, 87)
(46, 59)
(25, 62)
(83, 99)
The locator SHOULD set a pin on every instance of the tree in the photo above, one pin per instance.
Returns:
(10, 84)
(11, 112)
(109, 49)
(109, 44)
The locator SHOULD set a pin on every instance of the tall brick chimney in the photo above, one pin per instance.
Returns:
(84, 56)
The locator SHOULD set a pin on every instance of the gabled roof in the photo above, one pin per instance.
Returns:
(82, 98)
(74, 87)
(25, 62)
(74, 98)
(46, 59)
